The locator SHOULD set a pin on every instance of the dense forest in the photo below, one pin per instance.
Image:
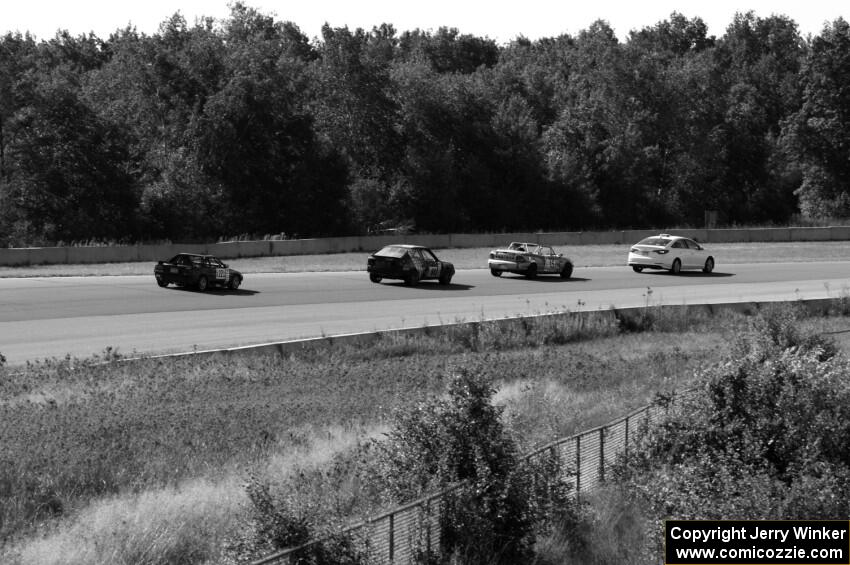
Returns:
(245, 125)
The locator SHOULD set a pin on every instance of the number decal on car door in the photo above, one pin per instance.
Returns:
(223, 274)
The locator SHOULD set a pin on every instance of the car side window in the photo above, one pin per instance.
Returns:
(692, 244)
(677, 244)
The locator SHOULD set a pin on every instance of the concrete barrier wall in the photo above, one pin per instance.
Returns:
(728, 236)
(601, 238)
(15, 257)
(434, 241)
(839, 233)
(237, 249)
(809, 234)
(770, 234)
(633, 236)
(292, 246)
(100, 254)
(240, 249)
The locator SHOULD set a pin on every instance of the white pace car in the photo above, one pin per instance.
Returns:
(671, 252)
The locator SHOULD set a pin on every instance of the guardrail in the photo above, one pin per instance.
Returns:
(398, 535)
(284, 247)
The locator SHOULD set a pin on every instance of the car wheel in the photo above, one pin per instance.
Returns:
(235, 282)
(709, 265)
(496, 272)
(446, 279)
(202, 283)
(567, 271)
(532, 271)
(374, 278)
(162, 282)
(637, 268)
(677, 267)
(411, 278)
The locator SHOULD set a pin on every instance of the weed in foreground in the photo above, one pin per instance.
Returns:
(175, 525)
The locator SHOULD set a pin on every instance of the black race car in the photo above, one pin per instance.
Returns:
(195, 270)
(410, 263)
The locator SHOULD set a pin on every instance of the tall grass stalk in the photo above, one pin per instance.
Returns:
(183, 524)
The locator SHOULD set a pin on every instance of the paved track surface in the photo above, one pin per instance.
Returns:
(81, 316)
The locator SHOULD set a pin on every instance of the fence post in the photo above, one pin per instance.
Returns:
(626, 445)
(428, 527)
(392, 536)
(551, 503)
(578, 466)
(601, 454)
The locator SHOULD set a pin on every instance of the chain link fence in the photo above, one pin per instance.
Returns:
(399, 536)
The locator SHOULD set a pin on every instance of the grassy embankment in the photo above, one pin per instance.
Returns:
(145, 462)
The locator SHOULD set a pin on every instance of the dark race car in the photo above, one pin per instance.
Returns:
(410, 263)
(195, 270)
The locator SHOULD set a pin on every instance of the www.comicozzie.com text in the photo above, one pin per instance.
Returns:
(755, 532)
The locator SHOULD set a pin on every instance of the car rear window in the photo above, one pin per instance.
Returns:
(392, 251)
(660, 241)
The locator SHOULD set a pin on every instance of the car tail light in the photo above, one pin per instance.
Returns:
(634, 250)
(661, 251)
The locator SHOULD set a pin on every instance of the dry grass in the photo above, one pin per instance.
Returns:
(184, 524)
(188, 523)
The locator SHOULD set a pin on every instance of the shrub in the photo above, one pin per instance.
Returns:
(277, 525)
(777, 328)
(607, 529)
(490, 514)
(763, 436)
(280, 524)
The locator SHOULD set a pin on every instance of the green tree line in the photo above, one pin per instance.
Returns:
(246, 125)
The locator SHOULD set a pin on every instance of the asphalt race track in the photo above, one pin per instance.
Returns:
(82, 316)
